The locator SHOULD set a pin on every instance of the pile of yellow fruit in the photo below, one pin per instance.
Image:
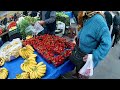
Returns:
(25, 52)
(30, 67)
(3, 73)
(2, 61)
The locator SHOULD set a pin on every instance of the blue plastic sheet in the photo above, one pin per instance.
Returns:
(69, 13)
(51, 73)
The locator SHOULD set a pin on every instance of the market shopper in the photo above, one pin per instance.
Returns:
(5, 20)
(48, 21)
(93, 39)
(33, 13)
(25, 13)
(109, 19)
(116, 28)
(15, 17)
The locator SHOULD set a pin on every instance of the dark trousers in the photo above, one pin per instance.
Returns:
(109, 26)
(114, 32)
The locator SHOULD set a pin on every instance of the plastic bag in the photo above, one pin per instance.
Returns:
(10, 50)
(38, 28)
(34, 30)
(29, 30)
(87, 69)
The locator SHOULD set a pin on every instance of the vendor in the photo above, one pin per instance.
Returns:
(48, 21)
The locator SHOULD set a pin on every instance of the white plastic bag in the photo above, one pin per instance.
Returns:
(10, 50)
(38, 28)
(87, 69)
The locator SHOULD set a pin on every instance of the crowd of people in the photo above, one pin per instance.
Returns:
(115, 21)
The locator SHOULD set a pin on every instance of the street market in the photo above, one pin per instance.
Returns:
(21, 44)
(56, 44)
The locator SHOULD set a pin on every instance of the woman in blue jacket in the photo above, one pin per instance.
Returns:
(93, 38)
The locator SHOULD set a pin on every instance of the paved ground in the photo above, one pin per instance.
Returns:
(109, 68)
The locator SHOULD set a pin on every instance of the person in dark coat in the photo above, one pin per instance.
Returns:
(75, 13)
(48, 21)
(15, 17)
(5, 20)
(116, 28)
(108, 18)
(33, 14)
(25, 13)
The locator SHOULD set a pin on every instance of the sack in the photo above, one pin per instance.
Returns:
(10, 50)
(87, 69)
(77, 58)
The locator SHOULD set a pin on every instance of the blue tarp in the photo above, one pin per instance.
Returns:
(51, 73)
(69, 13)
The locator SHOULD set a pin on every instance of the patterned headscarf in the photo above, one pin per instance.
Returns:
(85, 15)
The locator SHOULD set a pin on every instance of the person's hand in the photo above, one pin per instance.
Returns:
(41, 22)
(74, 41)
(85, 58)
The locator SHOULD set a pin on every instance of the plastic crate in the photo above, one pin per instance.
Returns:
(13, 32)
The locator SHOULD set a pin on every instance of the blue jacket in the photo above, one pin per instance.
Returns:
(95, 38)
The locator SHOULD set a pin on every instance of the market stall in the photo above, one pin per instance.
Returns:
(23, 57)
(34, 57)
(51, 73)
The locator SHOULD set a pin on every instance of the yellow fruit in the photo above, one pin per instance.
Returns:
(24, 75)
(2, 61)
(3, 73)
(40, 63)
(38, 71)
(30, 47)
(25, 52)
(27, 65)
(33, 55)
(29, 36)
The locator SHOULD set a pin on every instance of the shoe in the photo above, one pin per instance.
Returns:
(119, 57)
(82, 77)
(75, 76)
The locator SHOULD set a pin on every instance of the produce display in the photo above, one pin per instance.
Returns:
(30, 67)
(54, 49)
(10, 50)
(24, 23)
(61, 16)
(3, 73)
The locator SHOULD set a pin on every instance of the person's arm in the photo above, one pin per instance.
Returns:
(104, 46)
(52, 17)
